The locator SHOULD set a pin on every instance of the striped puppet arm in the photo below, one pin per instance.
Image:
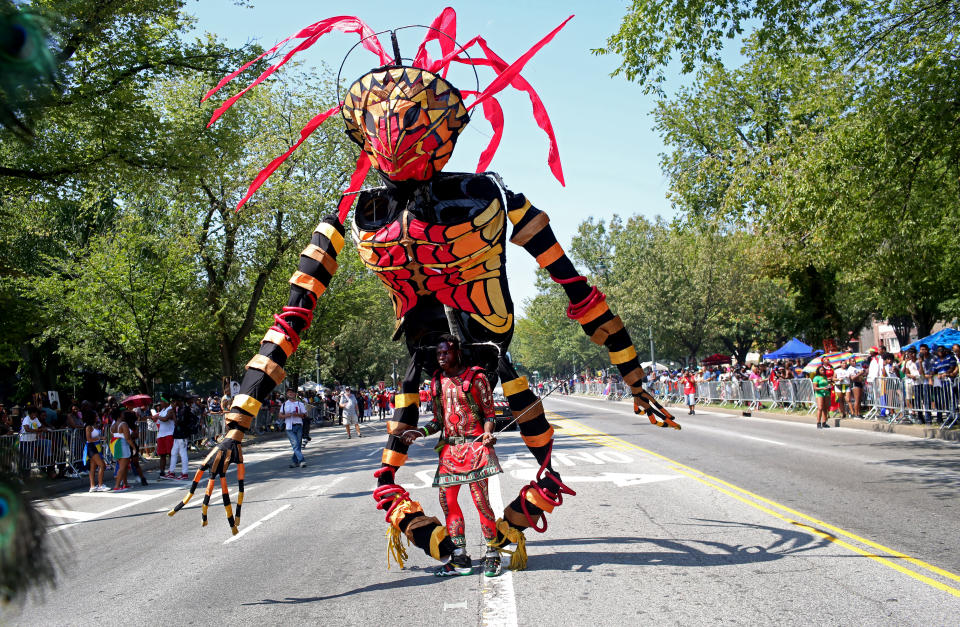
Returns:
(318, 263)
(588, 305)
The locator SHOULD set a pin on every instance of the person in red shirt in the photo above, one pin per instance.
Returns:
(689, 391)
(383, 403)
(829, 374)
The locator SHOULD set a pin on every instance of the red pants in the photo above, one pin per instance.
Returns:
(451, 509)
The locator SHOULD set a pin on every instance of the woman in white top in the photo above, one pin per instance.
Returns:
(121, 447)
(841, 385)
(93, 453)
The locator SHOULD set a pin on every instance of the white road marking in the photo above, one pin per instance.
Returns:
(324, 489)
(112, 510)
(426, 476)
(80, 517)
(320, 491)
(750, 437)
(110, 495)
(498, 603)
(66, 513)
(462, 605)
(247, 530)
(197, 500)
(620, 479)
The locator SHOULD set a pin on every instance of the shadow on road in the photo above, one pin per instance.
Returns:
(936, 466)
(675, 552)
(414, 582)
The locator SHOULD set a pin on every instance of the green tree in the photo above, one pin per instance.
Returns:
(124, 308)
(836, 139)
(241, 252)
(93, 135)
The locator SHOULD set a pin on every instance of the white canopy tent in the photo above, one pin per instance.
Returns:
(658, 366)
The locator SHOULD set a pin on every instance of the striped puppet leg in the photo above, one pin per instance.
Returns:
(404, 515)
(588, 306)
(545, 492)
(318, 263)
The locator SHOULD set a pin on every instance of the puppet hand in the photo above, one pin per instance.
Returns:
(643, 403)
(227, 451)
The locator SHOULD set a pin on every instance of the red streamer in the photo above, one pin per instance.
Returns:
(265, 173)
(539, 111)
(310, 35)
(446, 24)
(494, 114)
(356, 180)
(505, 77)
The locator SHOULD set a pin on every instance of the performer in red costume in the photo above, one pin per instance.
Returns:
(463, 412)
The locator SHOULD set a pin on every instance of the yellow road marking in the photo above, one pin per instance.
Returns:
(573, 428)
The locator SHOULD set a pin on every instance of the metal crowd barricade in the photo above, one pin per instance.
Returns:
(729, 392)
(621, 389)
(263, 421)
(802, 396)
(887, 399)
(146, 437)
(215, 427)
(747, 397)
(931, 402)
(9, 452)
(54, 449)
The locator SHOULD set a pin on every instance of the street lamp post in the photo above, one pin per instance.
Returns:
(653, 361)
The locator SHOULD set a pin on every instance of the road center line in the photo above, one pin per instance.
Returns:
(793, 517)
(498, 601)
(724, 432)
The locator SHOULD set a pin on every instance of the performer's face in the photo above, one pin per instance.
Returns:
(447, 356)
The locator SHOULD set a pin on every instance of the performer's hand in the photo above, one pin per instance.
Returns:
(489, 439)
(410, 436)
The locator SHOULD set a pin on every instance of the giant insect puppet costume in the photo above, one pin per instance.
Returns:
(437, 241)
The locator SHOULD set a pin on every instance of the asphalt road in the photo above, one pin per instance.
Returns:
(732, 520)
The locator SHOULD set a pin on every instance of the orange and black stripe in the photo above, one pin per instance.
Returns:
(531, 230)
(406, 414)
(318, 263)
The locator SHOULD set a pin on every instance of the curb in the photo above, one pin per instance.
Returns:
(915, 431)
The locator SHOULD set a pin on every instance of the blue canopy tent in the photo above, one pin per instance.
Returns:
(794, 349)
(945, 337)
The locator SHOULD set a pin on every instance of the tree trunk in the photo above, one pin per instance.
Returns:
(924, 321)
(902, 326)
(38, 382)
(228, 358)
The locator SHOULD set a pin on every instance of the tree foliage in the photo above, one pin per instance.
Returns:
(120, 251)
(836, 139)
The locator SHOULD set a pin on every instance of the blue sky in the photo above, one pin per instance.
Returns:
(603, 124)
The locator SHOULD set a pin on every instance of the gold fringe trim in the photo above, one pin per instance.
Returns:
(395, 548)
(518, 556)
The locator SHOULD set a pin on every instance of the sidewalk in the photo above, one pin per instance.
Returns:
(916, 431)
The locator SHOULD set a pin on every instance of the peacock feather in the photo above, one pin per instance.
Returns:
(28, 67)
(25, 555)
